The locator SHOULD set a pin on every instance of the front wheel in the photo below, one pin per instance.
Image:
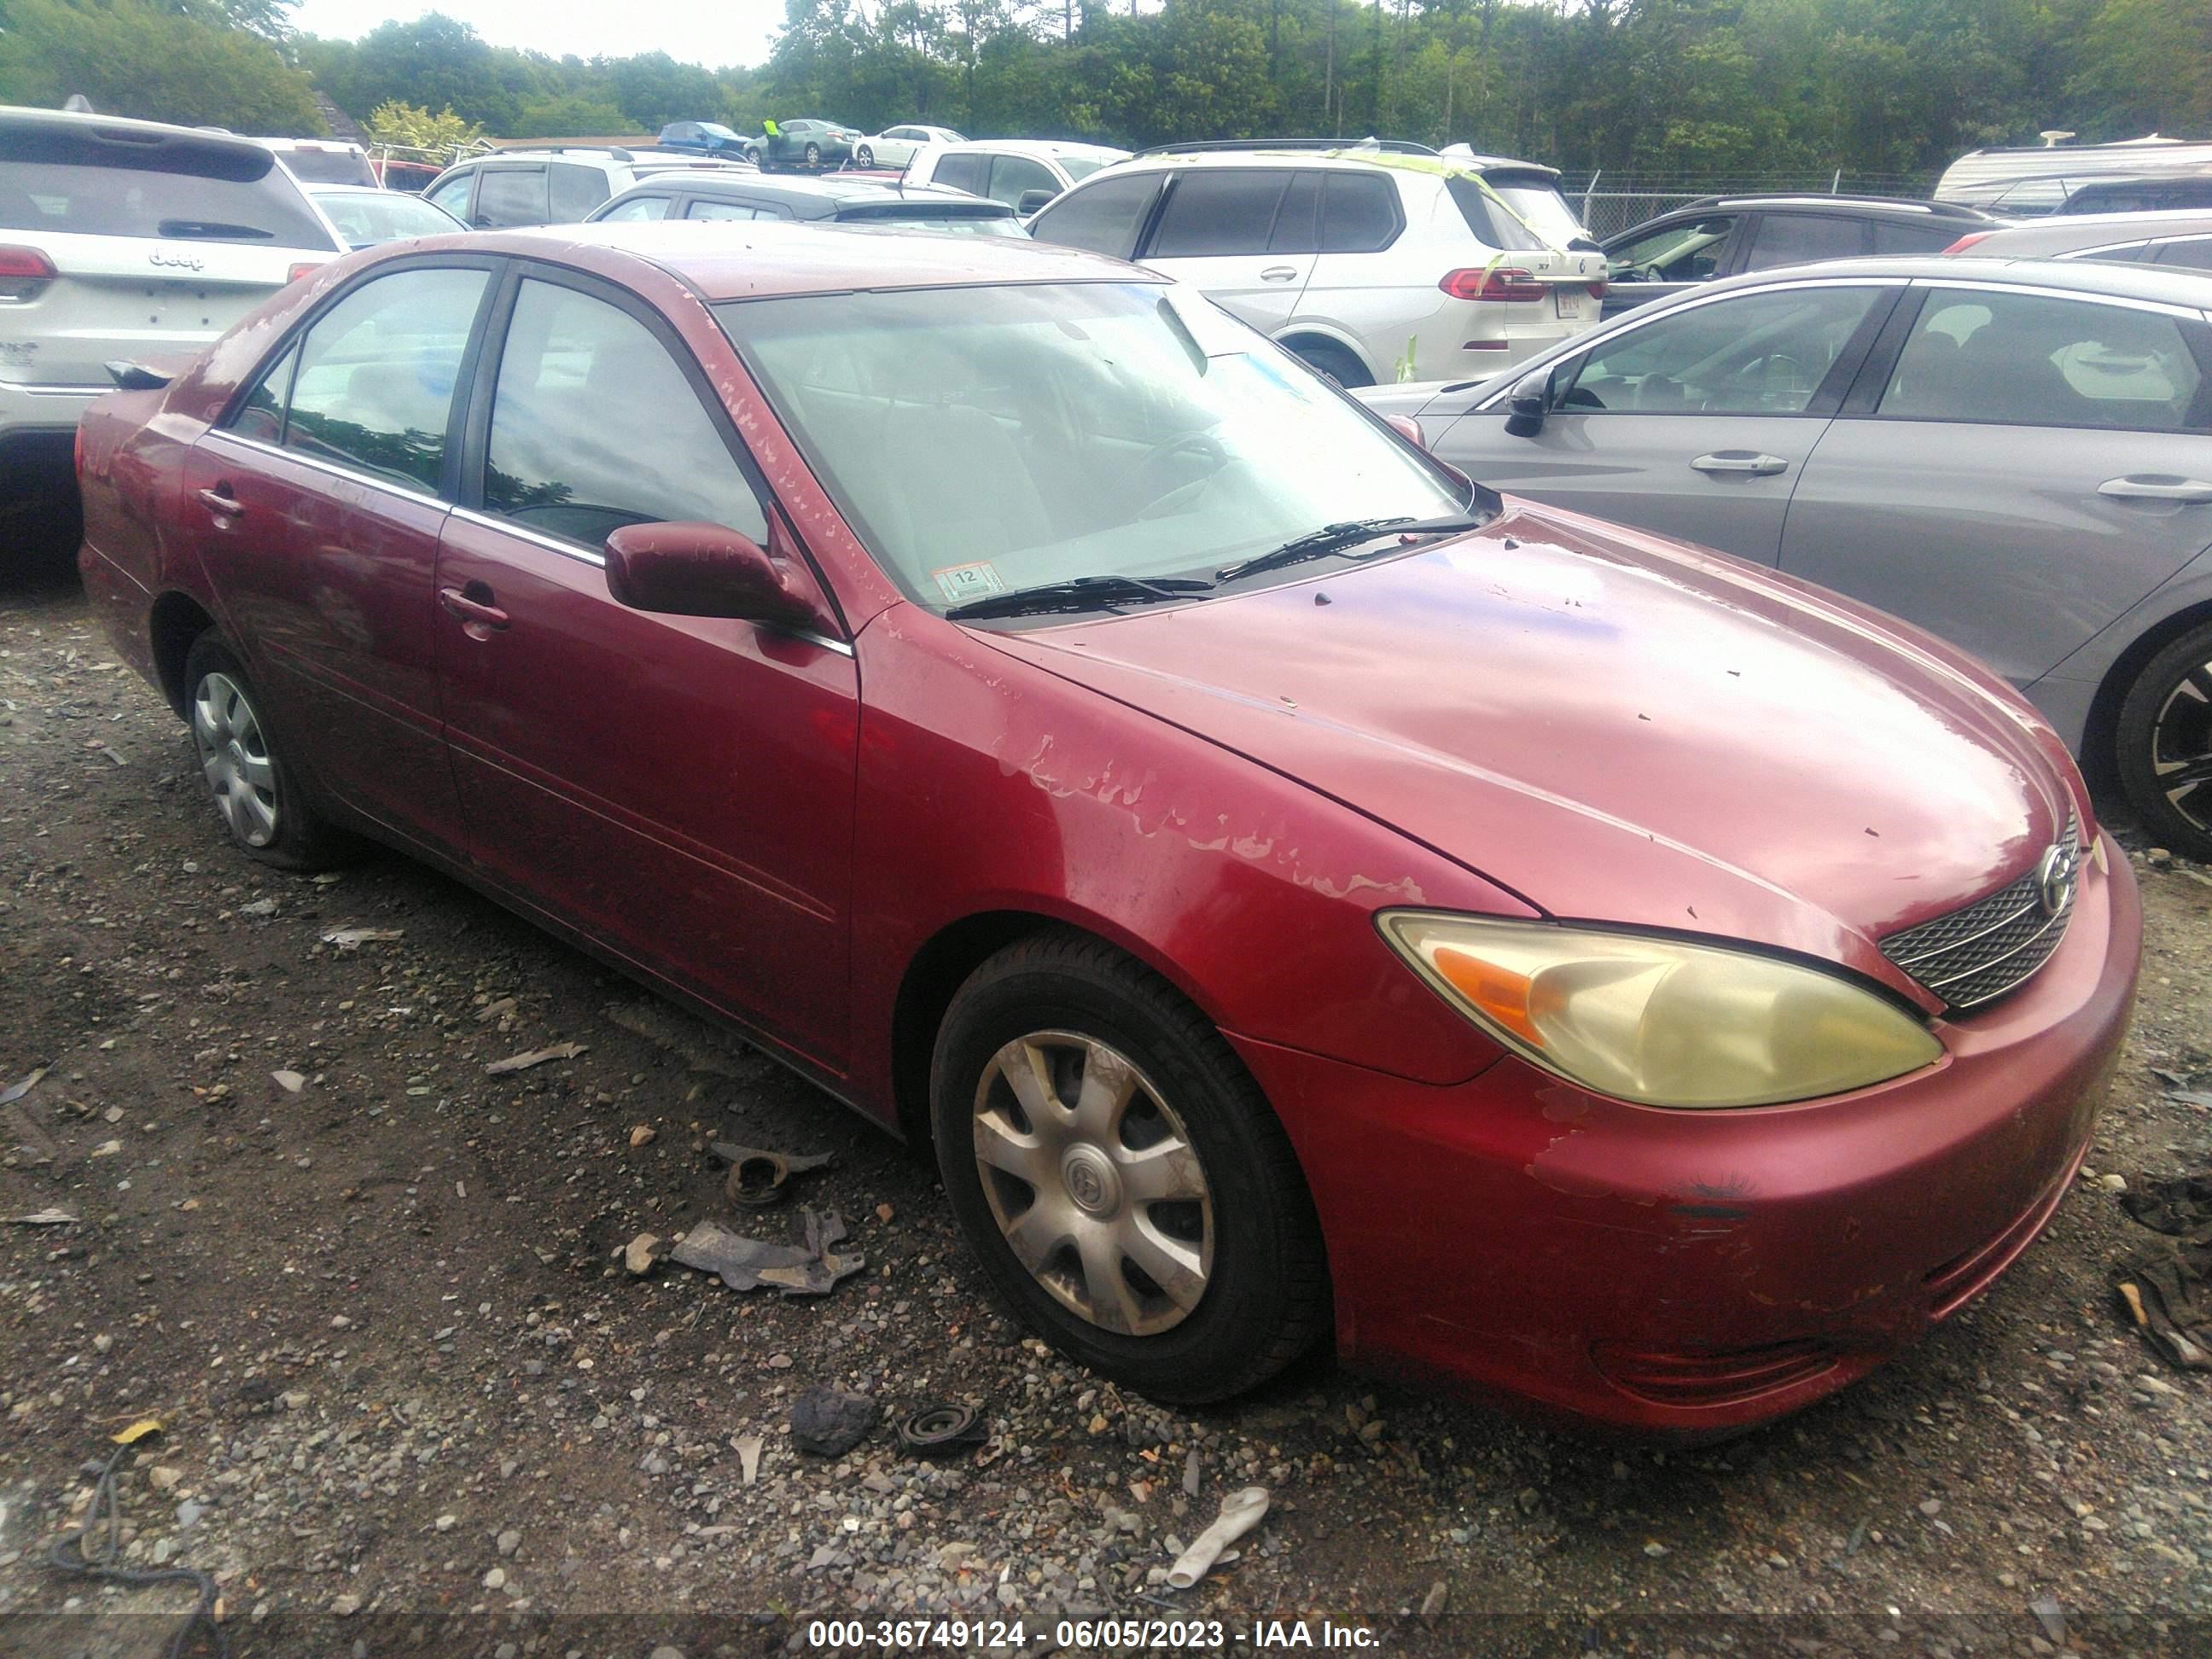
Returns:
(2163, 744)
(1128, 1188)
(863, 156)
(814, 156)
(254, 787)
(1333, 361)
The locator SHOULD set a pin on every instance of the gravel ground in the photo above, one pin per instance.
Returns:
(413, 1402)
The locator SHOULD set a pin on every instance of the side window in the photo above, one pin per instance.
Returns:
(1688, 252)
(2193, 252)
(1013, 176)
(576, 191)
(454, 195)
(1358, 213)
(578, 382)
(704, 209)
(1104, 217)
(1765, 353)
(1796, 238)
(966, 172)
(641, 207)
(511, 195)
(1891, 238)
(2020, 359)
(374, 387)
(262, 415)
(1298, 219)
(1219, 210)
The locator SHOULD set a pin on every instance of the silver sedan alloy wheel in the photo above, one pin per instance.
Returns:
(2181, 747)
(234, 758)
(1094, 1181)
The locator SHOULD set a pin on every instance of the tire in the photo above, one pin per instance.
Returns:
(253, 786)
(2163, 744)
(1333, 361)
(864, 157)
(814, 156)
(1239, 1282)
(752, 154)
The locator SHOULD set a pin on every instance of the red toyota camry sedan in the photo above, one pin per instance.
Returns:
(1300, 894)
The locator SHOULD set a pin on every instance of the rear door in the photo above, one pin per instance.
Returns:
(2031, 463)
(1244, 237)
(317, 509)
(679, 787)
(1694, 423)
(510, 194)
(1013, 177)
(1778, 239)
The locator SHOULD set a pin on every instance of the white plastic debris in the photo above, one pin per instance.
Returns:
(1241, 1511)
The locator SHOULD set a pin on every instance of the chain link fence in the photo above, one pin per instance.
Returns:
(1610, 203)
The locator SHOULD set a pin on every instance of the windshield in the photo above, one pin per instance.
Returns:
(1079, 168)
(386, 216)
(983, 440)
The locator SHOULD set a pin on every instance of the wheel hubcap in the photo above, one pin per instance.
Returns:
(235, 759)
(2181, 746)
(1094, 1182)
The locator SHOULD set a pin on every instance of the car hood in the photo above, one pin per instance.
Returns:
(1617, 728)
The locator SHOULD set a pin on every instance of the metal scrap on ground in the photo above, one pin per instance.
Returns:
(746, 1264)
(346, 938)
(537, 1057)
(16, 1091)
(757, 1175)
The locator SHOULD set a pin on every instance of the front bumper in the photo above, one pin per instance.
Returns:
(1694, 1272)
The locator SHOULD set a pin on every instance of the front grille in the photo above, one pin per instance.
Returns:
(1975, 955)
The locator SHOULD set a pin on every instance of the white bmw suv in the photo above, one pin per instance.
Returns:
(1374, 261)
(119, 238)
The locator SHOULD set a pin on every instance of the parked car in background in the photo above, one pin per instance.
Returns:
(552, 184)
(1023, 173)
(805, 142)
(1371, 264)
(365, 215)
(323, 161)
(2182, 239)
(834, 200)
(1727, 235)
(2148, 193)
(2016, 456)
(894, 146)
(706, 606)
(2037, 179)
(711, 136)
(119, 238)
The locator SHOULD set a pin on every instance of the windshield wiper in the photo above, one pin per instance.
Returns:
(1334, 537)
(211, 230)
(1080, 594)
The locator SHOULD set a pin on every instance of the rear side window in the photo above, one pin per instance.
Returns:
(172, 191)
(722, 211)
(641, 207)
(511, 195)
(2020, 359)
(576, 192)
(2193, 252)
(967, 172)
(1104, 217)
(1933, 238)
(579, 380)
(1358, 213)
(1219, 211)
(374, 387)
(1796, 238)
(453, 195)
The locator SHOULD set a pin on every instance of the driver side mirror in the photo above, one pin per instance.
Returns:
(707, 570)
(1528, 404)
(1031, 200)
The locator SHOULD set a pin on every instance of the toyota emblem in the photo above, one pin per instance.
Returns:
(2054, 880)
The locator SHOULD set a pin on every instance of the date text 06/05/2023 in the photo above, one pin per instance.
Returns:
(1078, 1635)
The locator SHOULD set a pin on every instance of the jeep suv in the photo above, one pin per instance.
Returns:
(549, 184)
(1374, 261)
(119, 238)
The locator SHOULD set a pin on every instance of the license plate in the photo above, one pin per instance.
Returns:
(1569, 301)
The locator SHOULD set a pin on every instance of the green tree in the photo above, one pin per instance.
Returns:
(2144, 66)
(395, 123)
(130, 57)
(571, 117)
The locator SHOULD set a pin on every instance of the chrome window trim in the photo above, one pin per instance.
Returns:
(316, 464)
(1604, 336)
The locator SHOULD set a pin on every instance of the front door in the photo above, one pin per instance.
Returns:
(1242, 236)
(680, 788)
(1693, 424)
(2031, 465)
(318, 508)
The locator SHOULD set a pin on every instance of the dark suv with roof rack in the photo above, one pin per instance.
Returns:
(1727, 235)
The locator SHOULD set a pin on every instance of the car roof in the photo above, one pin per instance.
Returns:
(2159, 284)
(754, 260)
(831, 189)
(2074, 231)
(1350, 155)
(140, 135)
(1032, 147)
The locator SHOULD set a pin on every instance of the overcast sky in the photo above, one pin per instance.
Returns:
(715, 33)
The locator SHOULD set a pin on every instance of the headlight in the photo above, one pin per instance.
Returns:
(1659, 1022)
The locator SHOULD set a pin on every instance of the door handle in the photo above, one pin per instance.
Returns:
(220, 502)
(473, 612)
(2156, 488)
(1740, 460)
(1279, 273)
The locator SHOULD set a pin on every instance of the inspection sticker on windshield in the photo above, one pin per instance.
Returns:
(961, 582)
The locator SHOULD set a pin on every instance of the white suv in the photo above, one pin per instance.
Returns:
(1373, 262)
(119, 238)
(1023, 173)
